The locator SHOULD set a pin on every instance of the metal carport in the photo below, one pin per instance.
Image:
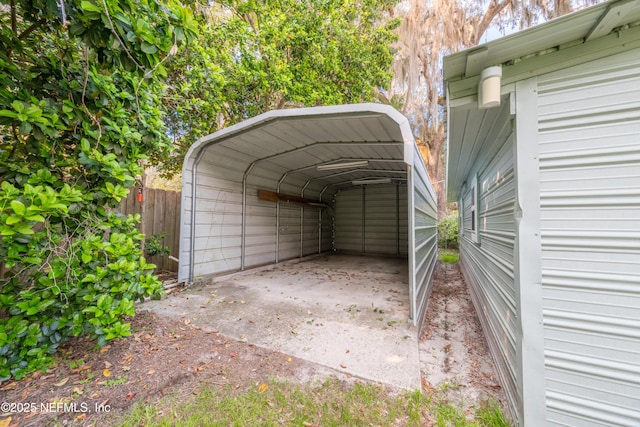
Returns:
(296, 182)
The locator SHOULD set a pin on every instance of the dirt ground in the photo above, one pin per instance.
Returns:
(89, 386)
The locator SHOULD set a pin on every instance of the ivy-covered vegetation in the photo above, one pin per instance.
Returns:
(80, 107)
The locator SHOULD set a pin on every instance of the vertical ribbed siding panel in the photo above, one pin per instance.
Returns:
(310, 231)
(260, 226)
(289, 232)
(425, 237)
(218, 216)
(403, 220)
(488, 266)
(381, 221)
(367, 219)
(326, 223)
(348, 220)
(589, 133)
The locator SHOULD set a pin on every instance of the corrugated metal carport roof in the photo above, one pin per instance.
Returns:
(294, 142)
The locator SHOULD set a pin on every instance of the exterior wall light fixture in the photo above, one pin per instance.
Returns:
(489, 87)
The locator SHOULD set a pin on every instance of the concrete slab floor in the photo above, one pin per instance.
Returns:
(346, 312)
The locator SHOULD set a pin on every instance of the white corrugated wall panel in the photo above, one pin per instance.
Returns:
(425, 236)
(310, 230)
(381, 224)
(589, 133)
(488, 265)
(403, 238)
(289, 232)
(326, 230)
(218, 222)
(348, 220)
(369, 219)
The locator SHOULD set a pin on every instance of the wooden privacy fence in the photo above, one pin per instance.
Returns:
(160, 213)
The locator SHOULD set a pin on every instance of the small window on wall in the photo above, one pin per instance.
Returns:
(474, 209)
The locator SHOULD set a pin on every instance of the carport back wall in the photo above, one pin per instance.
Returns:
(372, 219)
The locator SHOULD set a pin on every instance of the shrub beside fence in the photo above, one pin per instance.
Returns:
(160, 214)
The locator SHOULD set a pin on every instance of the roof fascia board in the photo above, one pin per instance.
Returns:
(452, 64)
(574, 55)
(611, 19)
(475, 61)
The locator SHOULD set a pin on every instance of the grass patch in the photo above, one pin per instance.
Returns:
(330, 404)
(450, 256)
(490, 414)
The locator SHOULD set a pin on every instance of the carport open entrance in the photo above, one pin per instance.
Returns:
(292, 183)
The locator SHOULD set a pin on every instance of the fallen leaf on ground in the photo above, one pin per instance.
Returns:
(26, 392)
(5, 422)
(61, 382)
(106, 373)
(151, 372)
(263, 387)
(105, 349)
(9, 386)
(343, 366)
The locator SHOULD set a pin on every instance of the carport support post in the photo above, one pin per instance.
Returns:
(364, 246)
(244, 213)
(277, 231)
(320, 225)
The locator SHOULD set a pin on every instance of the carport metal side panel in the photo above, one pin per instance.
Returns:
(423, 236)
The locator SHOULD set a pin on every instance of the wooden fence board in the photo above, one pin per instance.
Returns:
(160, 212)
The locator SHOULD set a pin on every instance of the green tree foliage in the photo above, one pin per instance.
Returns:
(80, 93)
(254, 56)
(448, 232)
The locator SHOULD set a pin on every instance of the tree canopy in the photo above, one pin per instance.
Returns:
(255, 56)
(431, 29)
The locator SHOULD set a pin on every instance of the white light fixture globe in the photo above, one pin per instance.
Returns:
(489, 87)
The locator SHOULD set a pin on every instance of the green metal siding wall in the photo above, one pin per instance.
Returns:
(488, 265)
(589, 135)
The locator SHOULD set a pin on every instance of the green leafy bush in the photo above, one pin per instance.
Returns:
(80, 90)
(154, 245)
(448, 232)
